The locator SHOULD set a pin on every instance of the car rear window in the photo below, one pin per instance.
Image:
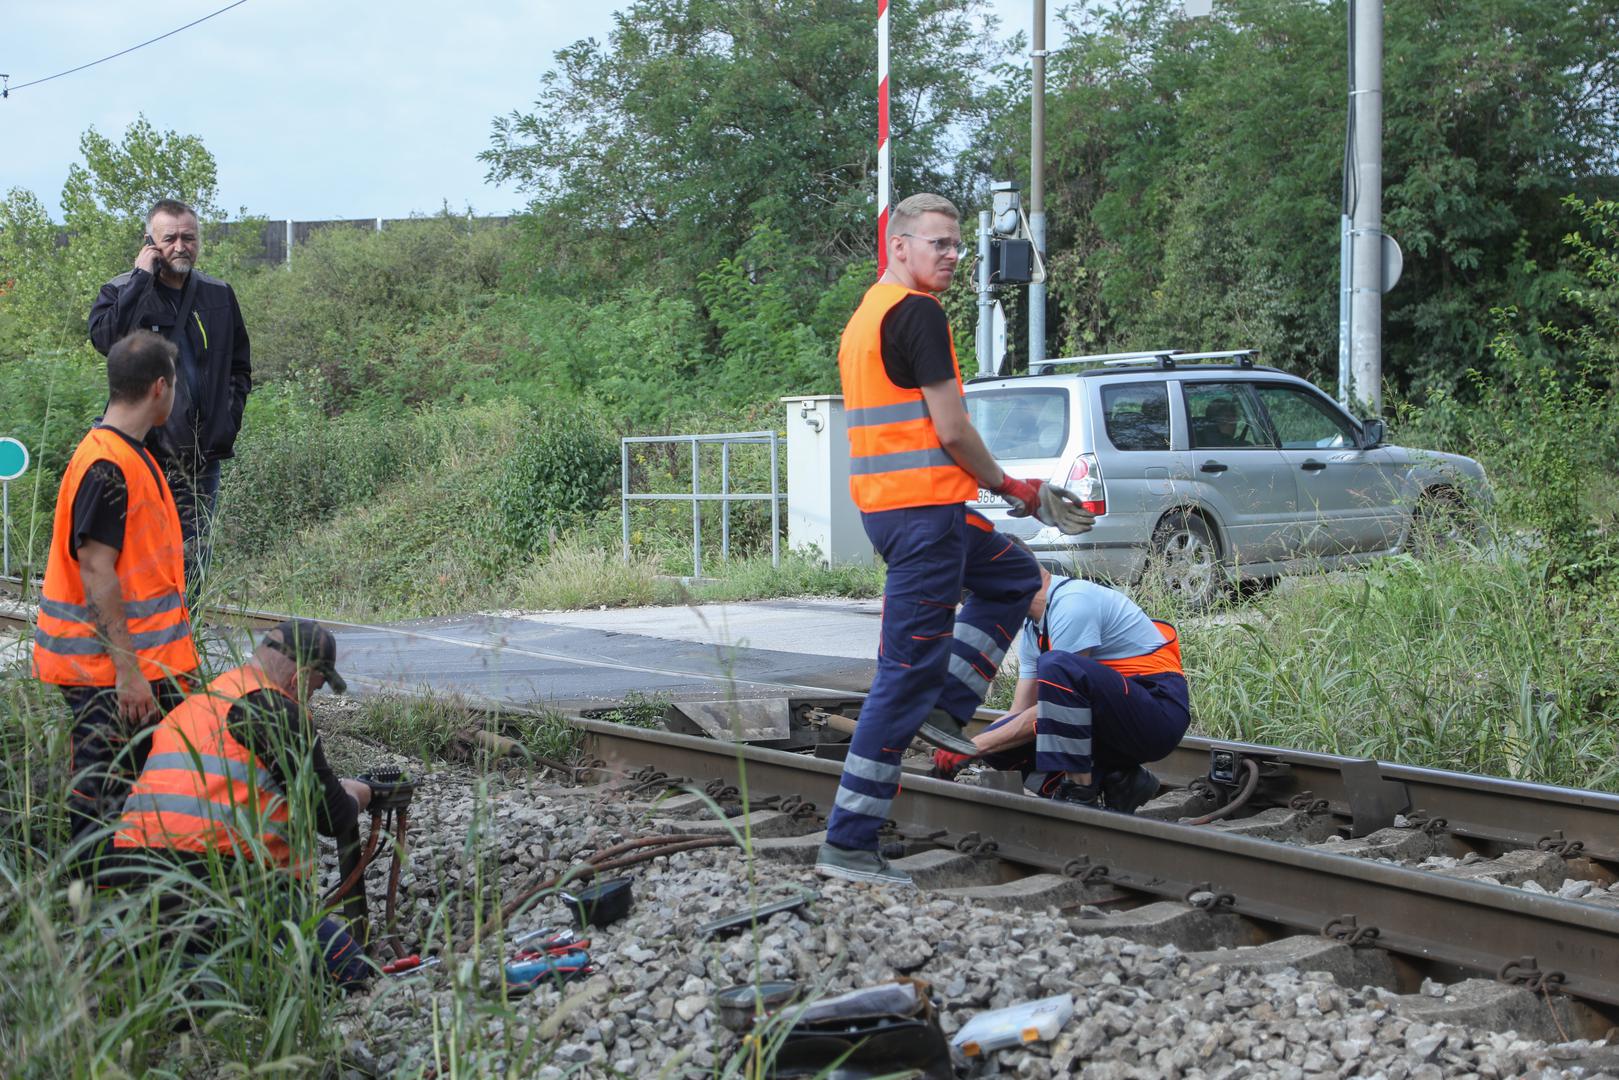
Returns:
(1137, 415)
(1021, 423)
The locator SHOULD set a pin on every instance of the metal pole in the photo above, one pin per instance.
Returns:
(775, 506)
(1346, 277)
(986, 299)
(624, 493)
(884, 160)
(5, 526)
(725, 505)
(696, 518)
(1037, 181)
(1366, 305)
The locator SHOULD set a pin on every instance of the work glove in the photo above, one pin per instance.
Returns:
(946, 764)
(1047, 503)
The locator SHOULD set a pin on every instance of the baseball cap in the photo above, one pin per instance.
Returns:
(308, 644)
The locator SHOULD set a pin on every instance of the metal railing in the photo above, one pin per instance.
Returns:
(725, 496)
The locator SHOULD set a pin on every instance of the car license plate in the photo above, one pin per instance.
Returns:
(987, 497)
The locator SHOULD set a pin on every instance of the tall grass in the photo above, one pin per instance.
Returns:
(1465, 660)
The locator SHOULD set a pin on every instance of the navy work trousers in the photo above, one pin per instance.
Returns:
(931, 655)
(107, 755)
(1090, 718)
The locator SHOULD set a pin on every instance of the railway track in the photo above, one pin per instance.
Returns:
(1291, 871)
(1451, 875)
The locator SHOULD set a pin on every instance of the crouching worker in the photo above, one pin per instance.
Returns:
(1099, 693)
(231, 767)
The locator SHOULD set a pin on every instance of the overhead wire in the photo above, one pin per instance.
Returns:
(8, 91)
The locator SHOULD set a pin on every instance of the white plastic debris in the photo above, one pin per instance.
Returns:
(1032, 1021)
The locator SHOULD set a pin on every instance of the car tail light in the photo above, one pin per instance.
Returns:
(1085, 481)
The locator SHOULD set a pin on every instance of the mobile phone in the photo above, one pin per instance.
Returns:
(158, 268)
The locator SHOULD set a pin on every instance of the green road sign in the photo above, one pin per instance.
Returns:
(13, 459)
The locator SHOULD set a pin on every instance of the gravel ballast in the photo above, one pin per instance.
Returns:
(1140, 1011)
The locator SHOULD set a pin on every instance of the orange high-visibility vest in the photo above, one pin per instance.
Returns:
(68, 651)
(1165, 658)
(895, 459)
(201, 790)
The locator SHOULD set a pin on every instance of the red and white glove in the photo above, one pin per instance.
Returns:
(947, 763)
(1023, 495)
(1046, 503)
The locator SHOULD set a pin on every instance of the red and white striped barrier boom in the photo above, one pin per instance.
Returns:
(882, 136)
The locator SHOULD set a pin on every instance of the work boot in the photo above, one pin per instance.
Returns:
(866, 866)
(947, 733)
(1127, 789)
(1057, 787)
(1077, 794)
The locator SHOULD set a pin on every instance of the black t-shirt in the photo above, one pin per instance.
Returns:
(274, 727)
(101, 505)
(916, 343)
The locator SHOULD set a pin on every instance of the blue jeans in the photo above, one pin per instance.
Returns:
(930, 655)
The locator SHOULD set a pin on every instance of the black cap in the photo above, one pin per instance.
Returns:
(308, 644)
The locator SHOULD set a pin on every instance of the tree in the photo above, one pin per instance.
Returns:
(1196, 166)
(656, 157)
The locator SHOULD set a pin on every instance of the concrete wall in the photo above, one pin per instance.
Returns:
(282, 237)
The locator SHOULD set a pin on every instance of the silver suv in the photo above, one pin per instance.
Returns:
(1208, 467)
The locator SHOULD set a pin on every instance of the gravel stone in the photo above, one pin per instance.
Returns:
(1141, 1011)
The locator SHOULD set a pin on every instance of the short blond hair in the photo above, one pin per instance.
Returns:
(910, 210)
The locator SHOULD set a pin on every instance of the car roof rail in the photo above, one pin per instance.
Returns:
(1244, 358)
(1158, 356)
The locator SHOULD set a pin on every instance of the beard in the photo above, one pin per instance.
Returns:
(181, 265)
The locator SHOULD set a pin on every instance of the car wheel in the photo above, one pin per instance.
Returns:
(1442, 520)
(1186, 561)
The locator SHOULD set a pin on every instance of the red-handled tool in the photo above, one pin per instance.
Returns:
(407, 964)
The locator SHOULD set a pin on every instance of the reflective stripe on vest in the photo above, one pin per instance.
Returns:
(68, 649)
(895, 457)
(201, 789)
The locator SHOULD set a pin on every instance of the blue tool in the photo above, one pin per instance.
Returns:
(522, 976)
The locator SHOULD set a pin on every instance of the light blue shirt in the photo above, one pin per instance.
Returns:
(1082, 615)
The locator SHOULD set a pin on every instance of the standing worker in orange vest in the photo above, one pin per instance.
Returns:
(114, 631)
(915, 462)
(220, 781)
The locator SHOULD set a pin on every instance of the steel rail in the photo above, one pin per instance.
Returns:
(1488, 809)
(1433, 918)
(19, 589)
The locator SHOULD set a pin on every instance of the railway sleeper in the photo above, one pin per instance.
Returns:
(1169, 922)
(1281, 824)
(760, 823)
(1487, 1005)
(1348, 966)
(1545, 868)
(1390, 843)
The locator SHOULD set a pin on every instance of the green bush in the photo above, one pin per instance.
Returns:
(339, 319)
(559, 475)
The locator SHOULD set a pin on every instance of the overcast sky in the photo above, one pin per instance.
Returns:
(312, 109)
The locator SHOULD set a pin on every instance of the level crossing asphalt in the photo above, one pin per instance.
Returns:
(580, 659)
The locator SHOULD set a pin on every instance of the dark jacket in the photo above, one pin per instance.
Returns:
(217, 374)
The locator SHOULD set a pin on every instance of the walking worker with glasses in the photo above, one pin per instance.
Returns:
(915, 462)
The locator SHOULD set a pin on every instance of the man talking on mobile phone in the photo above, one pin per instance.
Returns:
(166, 294)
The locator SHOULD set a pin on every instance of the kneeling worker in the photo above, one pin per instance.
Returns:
(223, 765)
(1100, 691)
